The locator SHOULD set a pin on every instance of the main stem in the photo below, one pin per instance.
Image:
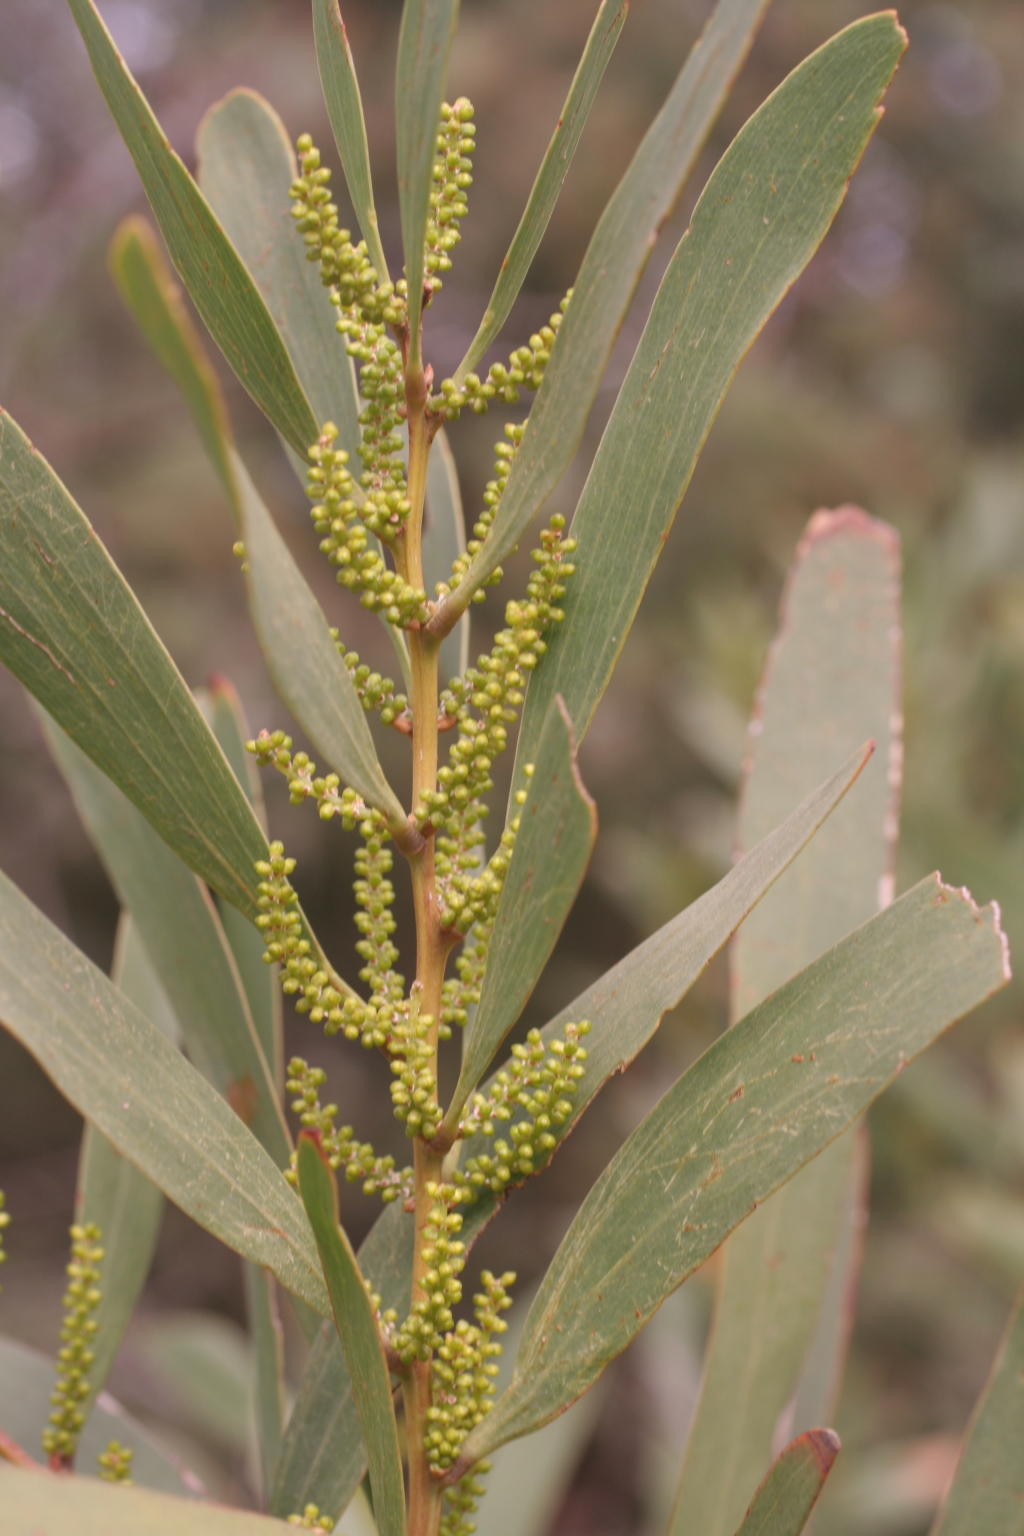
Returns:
(425, 1492)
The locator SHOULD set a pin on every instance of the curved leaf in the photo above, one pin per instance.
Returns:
(604, 34)
(39, 1504)
(759, 1104)
(444, 538)
(761, 217)
(73, 632)
(783, 1503)
(345, 109)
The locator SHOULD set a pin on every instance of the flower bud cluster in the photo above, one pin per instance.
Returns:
(431, 1317)
(281, 927)
(463, 1373)
(414, 1084)
(460, 1502)
(340, 1147)
(273, 749)
(373, 690)
(451, 180)
(375, 895)
(534, 1091)
(81, 1299)
(526, 367)
(5, 1221)
(312, 1520)
(115, 1464)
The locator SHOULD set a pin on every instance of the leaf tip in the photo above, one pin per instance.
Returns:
(824, 1445)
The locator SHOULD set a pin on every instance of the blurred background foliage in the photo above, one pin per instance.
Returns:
(893, 377)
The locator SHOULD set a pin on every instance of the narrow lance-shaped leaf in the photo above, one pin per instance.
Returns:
(615, 259)
(345, 109)
(246, 166)
(269, 1394)
(112, 1192)
(833, 675)
(424, 43)
(120, 1073)
(759, 221)
(757, 1106)
(444, 539)
(38, 1505)
(301, 655)
(73, 632)
(360, 1339)
(558, 826)
(604, 34)
(782, 1505)
(207, 262)
(183, 938)
(987, 1492)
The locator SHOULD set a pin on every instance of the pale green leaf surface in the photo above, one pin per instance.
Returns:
(360, 1340)
(201, 1362)
(444, 539)
(178, 925)
(604, 34)
(552, 850)
(424, 43)
(987, 1492)
(301, 656)
(759, 220)
(111, 1191)
(246, 166)
(73, 633)
(206, 261)
(26, 1381)
(832, 678)
(268, 1385)
(615, 259)
(758, 1105)
(322, 1458)
(345, 109)
(783, 1503)
(38, 1504)
(120, 1073)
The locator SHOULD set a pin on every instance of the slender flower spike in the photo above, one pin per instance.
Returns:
(115, 1464)
(312, 1520)
(81, 1299)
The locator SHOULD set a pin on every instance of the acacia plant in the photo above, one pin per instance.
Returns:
(176, 1062)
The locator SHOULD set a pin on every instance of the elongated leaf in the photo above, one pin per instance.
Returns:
(268, 1350)
(246, 165)
(345, 109)
(444, 538)
(111, 1192)
(120, 1073)
(72, 631)
(181, 932)
(615, 259)
(759, 221)
(360, 1339)
(259, 980)
(544, 194)
(39, 1504)
(552, 851)
(759, 1104)
(206, 261)
(301, 656)
(26, 1381)
(832, 676)
(322, 1459)
(987, 1492)
(424, 43)
(783, 1503)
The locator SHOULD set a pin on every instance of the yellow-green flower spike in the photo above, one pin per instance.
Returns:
(340, 1147)
(526, 367)
(463, 1373)
(115, 1464)
(460, 1502)
(312, 1520)
(450, 182)
(81, 1299)
(281, 927)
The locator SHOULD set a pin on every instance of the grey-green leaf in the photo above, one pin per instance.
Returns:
(424, 43)
(782, 1505)
(360, 1339)
(444, 539)
(73, 632)
(345, 109)
(111, 1192)
(987, 1492)
(615, 259)
(183, 938)
(759, 220)
(246, 165)
(268, 1386)
(833, 676)
(120, 1073)
(552, 850)
(38, 1504)
(207, 262)
(758, 1105)
(604, 34)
